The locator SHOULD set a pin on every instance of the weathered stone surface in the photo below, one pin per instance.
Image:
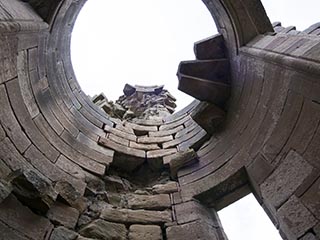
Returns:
(311, 199)
(148, 140)
(309, 236)
(205, 80)
(136, 216)
(285, 179)
(194, 230)
(23, 220)
(192, 211)
(169, 187)
(70, 195)
(161, 153)
(208, 116)
(119, 133)
(145, 232)
(166, 132)
(316, 230)
(179, 160)
(151, 202)
(120, 148)
(295, 219)
(210, 48)
(33, 190)
(5, 190)
(144, 146)
(63, 215)
(8, 233)
(100, 229)
(62, 233)
(119, 140)
(116, 184)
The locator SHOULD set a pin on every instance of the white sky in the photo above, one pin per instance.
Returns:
(143, 41)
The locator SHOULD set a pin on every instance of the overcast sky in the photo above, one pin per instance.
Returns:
(142, 42)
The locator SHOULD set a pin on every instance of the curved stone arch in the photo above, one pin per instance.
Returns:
(49, 125)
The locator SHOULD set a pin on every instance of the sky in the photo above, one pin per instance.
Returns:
(143, 41)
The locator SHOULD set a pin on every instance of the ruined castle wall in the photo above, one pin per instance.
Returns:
(268, 145)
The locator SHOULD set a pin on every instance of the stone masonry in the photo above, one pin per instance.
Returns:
(70, 170)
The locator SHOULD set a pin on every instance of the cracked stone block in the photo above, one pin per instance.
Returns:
(32, 190)
(100, 229)
(145, 232)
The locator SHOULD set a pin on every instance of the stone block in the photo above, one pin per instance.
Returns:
(33, 190)
(116, 184)
(149, 202)
(23, 220)
(7, 233)
(192, 211)
(195, 142)
(141, 146)
(100, 229)
(166, 132)
(174, 123)
(180, 160)
(62, 233)
(259, 169)
(119, 133)
(4, 169)
(161, 153)
(169, 187)
(118, 140)
(61, 214)
(157, 140)
(120, 148)
(309, 236)
(70, 195)
(145, 232)
(208, 116)
(316, 230)
(194, 230)
(70, 167)
(210, 48)
(141, 128)
(311, 199)
(5, 190)
(10, 123)
(285, 180)
(205, 80)
(136, 216)
(295, 219)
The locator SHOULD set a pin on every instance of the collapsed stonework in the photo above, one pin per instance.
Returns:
(69, 170)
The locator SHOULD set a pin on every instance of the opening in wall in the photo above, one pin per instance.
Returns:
(136, 42)
(246, 220)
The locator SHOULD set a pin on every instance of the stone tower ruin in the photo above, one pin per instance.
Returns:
(77, 168)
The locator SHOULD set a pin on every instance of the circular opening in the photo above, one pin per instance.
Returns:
(136, 42)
